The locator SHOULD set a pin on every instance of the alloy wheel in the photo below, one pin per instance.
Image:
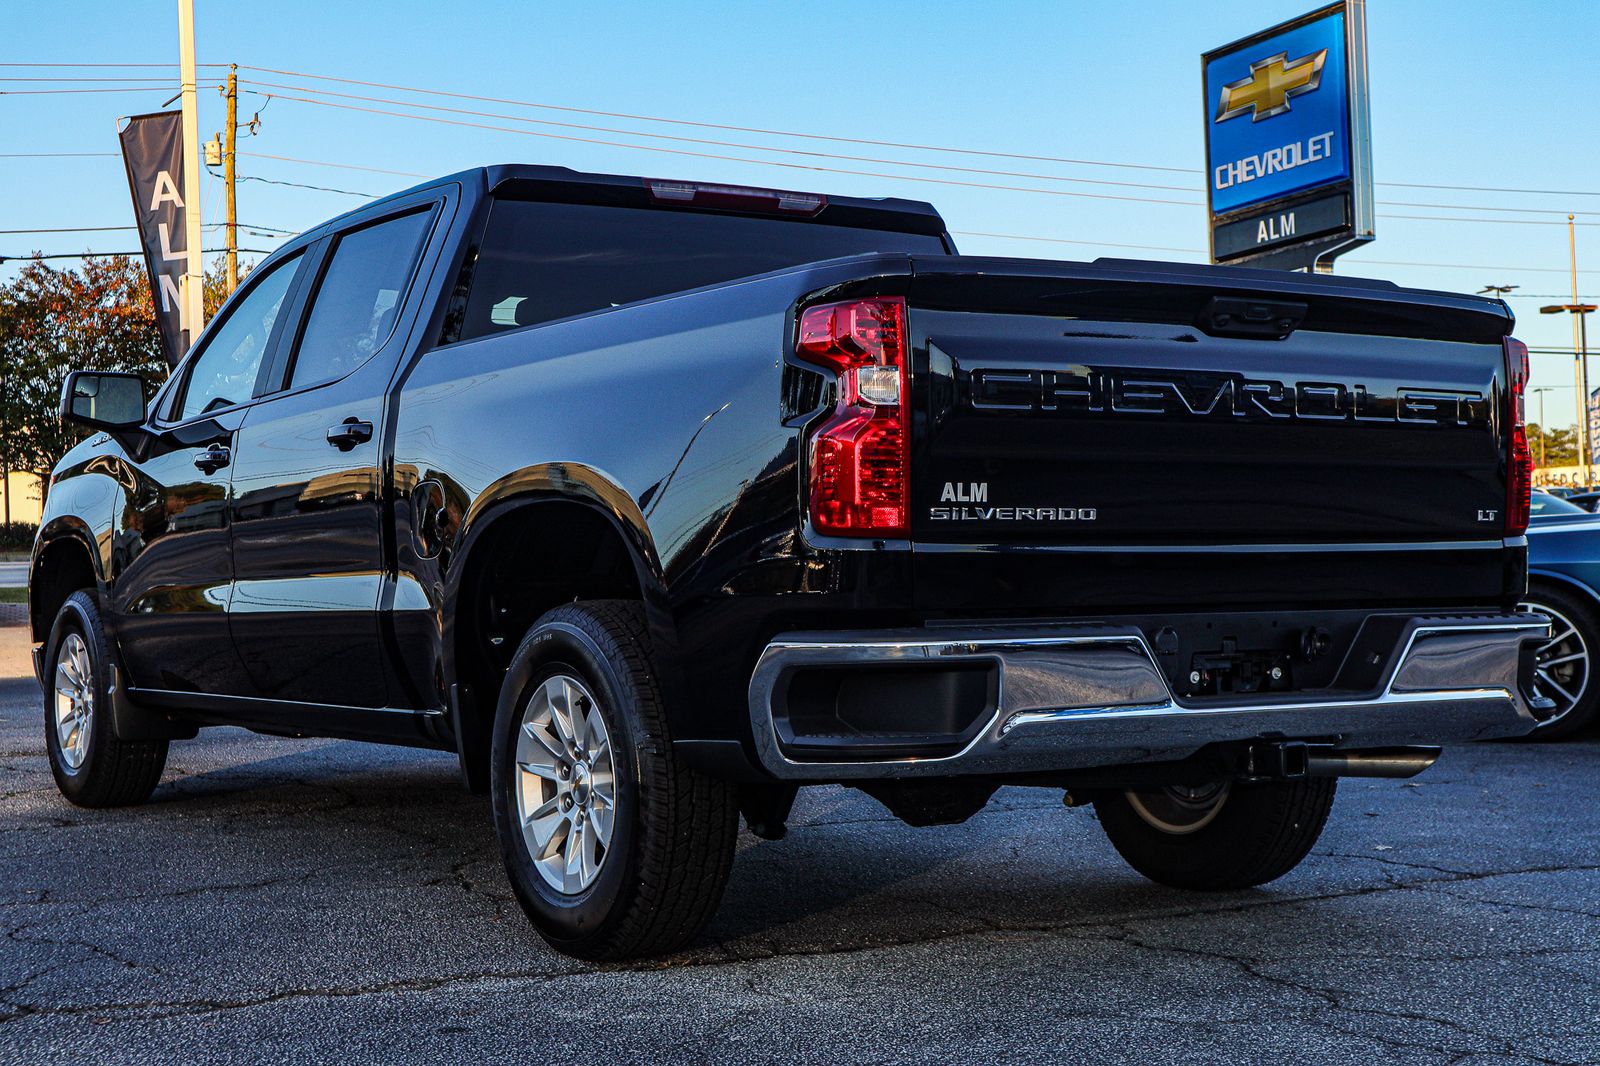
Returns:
(1561, 669)
(74, 705)
(565, 785)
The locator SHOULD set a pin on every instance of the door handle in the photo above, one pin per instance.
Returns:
(349, 433)
(214, 458)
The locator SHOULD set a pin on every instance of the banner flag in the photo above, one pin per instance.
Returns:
(152, 150)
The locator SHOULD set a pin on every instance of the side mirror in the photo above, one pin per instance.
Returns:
(110, 401)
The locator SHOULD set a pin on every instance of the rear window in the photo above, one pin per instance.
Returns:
(542, 261)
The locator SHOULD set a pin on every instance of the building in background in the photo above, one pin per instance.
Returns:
(22, 493)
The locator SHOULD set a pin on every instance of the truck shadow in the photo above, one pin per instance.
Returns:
(848, 876)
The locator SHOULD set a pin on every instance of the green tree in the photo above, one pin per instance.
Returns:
(1557, 447)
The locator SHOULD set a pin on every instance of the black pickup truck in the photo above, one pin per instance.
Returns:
(656, 500)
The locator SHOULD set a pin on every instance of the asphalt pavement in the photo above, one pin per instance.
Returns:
(309, 900)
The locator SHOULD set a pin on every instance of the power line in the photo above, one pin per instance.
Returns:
(109, 255)
(266, 229)
(811, 167)
(728, 144)
(302, 185)
(110, 66)
(340, 166)
(858, 140)
(731, 158)
(912, 146)
(1475, 207)
(1064, 240)
(77, 79)
(84, 229)
(1469, 266)
(56, 155)
(117, 89)
(109, 229)
(1200, 251)
(717, 125)
(1498, 221)
(1490, 188)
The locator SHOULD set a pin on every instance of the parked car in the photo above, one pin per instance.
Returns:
(1585, 500)
(655, 501)
(1564, 585)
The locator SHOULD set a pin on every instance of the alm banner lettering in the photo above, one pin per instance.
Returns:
(152, 151)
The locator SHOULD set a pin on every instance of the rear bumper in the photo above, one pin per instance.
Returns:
(1079, 696)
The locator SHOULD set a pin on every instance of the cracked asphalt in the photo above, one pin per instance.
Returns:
(296, 901)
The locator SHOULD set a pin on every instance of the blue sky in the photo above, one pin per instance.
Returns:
(1465, 93)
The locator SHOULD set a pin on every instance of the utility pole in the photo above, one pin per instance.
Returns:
(1580, 354)
(194, 278)
(228, 177)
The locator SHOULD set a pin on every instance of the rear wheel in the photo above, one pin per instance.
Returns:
(1220, 835)
(1564, 662)
(91, 765)
(613, 847)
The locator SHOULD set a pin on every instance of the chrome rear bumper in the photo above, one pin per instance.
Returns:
(1078, 696)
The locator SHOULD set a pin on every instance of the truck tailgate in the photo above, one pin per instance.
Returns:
(1139, 409)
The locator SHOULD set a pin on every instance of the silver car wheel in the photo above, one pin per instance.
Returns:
(565, 786)
(74, 705)
(1561, 669)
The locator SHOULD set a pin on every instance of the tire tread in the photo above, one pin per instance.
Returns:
(687, 823)
(1269, 831)
(119, 773)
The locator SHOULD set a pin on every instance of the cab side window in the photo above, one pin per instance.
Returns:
(356, 305)
(224, 373)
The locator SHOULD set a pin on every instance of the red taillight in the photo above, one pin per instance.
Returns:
(1519, 459)
(861, 456)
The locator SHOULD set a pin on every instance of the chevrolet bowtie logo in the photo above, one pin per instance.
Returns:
(1271, 83)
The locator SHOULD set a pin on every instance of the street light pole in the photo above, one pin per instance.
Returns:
(1580, 354)
(1544, 430)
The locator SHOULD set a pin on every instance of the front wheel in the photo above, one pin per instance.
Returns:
(1222, 835)
(92, 766)
(613, 847)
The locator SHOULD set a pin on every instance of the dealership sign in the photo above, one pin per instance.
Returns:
(1288, 148)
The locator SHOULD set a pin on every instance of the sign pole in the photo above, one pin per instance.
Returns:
(1362, 212)
(194, 278)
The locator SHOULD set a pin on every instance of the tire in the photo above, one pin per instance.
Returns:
(91, 765)
(1571, 683)
(656, 879)
(1244, 835)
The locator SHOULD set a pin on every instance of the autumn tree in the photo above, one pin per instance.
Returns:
(98, 316)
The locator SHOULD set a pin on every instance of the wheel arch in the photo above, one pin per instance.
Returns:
(1570, 584)
(536, 539)
(64, 561)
